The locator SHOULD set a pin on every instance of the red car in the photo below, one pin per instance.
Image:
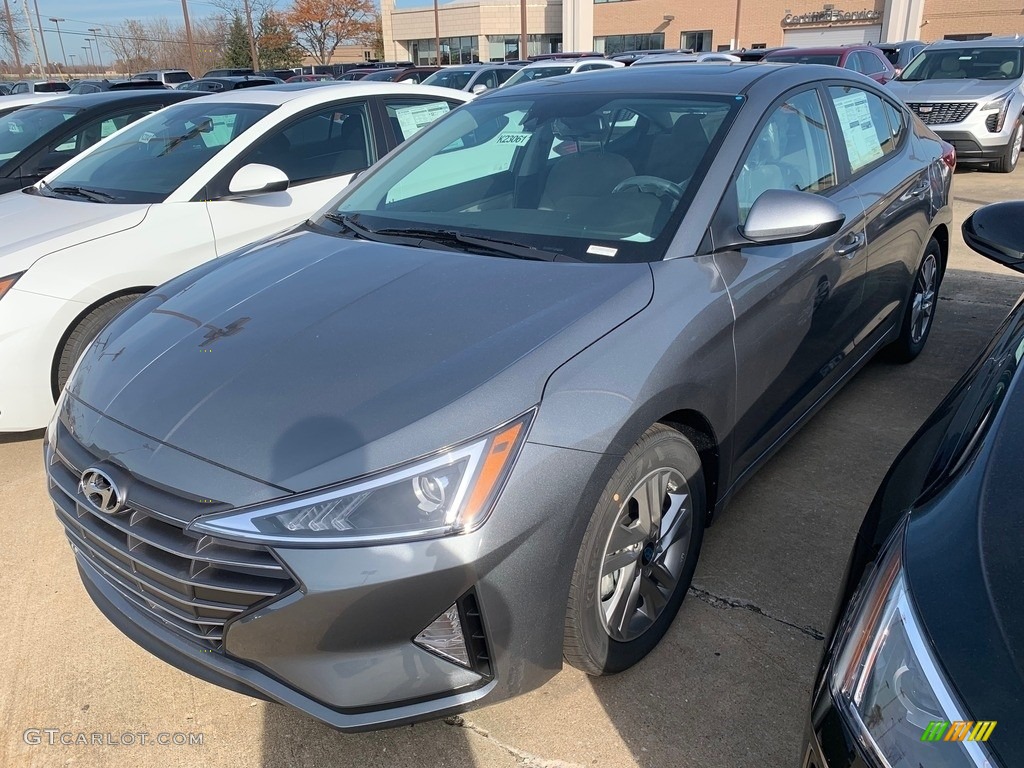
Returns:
(860, 58)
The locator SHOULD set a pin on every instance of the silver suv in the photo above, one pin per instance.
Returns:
(972, 95)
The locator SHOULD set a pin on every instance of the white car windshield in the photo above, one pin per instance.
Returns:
(25, 126)
(451, 78)
(526, 74)
(979, 63)
(601, 177)
(149, 159)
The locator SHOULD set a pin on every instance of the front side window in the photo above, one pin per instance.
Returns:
(25, 126)
(330, 142)
(154, 156)
(20, 88)
(864, 125)
(965, 63)
(792, 151)
(579, 175)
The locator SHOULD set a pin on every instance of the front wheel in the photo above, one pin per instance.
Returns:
(1011, 154)
(638, 554)
(83, 333)
(920, 311)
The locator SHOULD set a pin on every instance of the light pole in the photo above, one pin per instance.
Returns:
(42, 38)
(88, 58)
(99, 53)
(72, 57)
(56, 22)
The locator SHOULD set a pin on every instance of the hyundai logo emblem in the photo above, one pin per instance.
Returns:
(101, 491)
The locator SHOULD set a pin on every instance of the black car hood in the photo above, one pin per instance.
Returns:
(312, 358)
(963, 556)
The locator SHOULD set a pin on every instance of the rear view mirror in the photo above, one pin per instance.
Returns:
(787, 216)
(995, 232)
(257, 179)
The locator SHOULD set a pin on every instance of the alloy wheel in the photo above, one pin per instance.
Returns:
(924, 297)
(644, 554)
(1018, 135)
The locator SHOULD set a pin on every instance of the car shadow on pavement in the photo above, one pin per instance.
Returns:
(21, 437)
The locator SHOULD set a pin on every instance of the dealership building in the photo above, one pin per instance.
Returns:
(488, 30)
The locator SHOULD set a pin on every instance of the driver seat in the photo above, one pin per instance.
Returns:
(576, 181)
(676, 155)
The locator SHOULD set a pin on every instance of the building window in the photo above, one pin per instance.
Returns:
(757, 46)
(723, 48)
(696, 41)
(977, 36)
(613, 44)
(506, 47)
(454, 50)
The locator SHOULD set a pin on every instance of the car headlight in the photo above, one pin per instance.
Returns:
(450, 492)
(887, 685)
(1000, 104)
(6, 283)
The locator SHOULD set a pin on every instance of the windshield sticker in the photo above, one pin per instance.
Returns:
(858, 129)
(519, 139)
(412, 119)
(602, 250)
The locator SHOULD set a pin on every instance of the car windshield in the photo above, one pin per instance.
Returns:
(526, 74)
(805, 58)
(451, 78)
(965, 63)
(24, 126)
(600, 177)
(177, 77)
(148, 160)
(892, 54)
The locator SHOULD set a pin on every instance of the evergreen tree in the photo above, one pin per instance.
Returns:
(236, 45)
(276, 43)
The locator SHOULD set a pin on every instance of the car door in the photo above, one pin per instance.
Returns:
(795, 304)
(80, 137)
(894, 186)
(320, 150)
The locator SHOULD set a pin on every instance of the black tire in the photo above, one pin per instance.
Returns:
(589, 643)
(911, 339)
(1011, 153)
(83, 333)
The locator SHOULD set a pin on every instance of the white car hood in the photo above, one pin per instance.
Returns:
(32, 226)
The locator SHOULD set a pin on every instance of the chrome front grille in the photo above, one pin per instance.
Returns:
(942, 112)
(192, 583)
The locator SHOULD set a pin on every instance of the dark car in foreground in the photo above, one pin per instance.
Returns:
(38, 139)
(473, 417)
(865, 59)
(923, 665)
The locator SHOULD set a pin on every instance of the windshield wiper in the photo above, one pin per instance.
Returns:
(89, 194)
(450, 239)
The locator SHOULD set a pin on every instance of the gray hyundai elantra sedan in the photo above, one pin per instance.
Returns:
(474, 417)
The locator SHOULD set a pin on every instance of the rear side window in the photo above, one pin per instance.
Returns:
(408, 116)
(864, 125)
(177, 77)
(52, 87)
(792, 151)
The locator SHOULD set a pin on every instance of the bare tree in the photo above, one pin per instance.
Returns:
(132, 45)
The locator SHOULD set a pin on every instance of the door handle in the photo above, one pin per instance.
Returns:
(917, 190)
(848, 247)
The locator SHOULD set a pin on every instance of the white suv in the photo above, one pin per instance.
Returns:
(539, 70)
(972, 95)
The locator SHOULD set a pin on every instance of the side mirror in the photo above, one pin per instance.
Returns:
(994, 231)
(787, 216)
(478, 88)
(257, 179)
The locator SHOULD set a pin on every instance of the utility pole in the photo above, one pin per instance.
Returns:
(14, 37)
(99, 53)
(523, 39)
(188, 36)
(56, 22)
(252, 35)
(42, 37)
(736, 33)
(88, 59)
(31, 31)
(437, 35)
(72, 57)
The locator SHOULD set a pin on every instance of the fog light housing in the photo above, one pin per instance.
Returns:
(444, 636)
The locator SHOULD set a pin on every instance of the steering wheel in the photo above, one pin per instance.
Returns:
(651, 185)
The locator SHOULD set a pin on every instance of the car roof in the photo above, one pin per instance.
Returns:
(988, 42)
(717, 78)
(88, 100)
(309, 94)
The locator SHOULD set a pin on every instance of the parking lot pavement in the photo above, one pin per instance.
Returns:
(728, 686)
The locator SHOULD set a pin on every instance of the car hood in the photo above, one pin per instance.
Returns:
(311, 359)
(34, 226)
(948, 90)
(963, 558)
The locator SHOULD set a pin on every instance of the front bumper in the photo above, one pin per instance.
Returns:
(969, 149)
(339, 646)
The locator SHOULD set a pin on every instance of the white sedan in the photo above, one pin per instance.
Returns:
(186, 184)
